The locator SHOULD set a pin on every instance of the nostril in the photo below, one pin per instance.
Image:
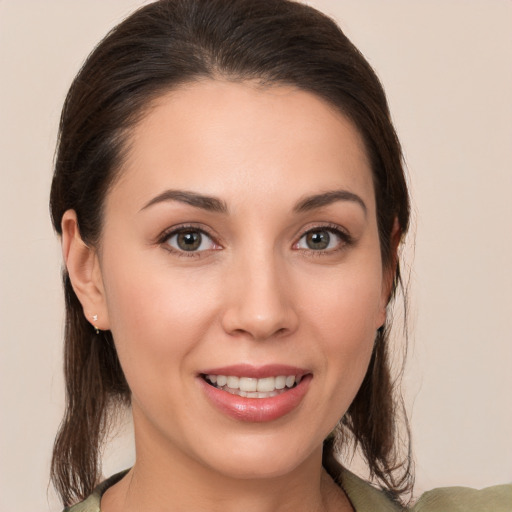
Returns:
(259, 320)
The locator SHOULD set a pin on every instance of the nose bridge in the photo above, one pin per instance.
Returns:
(259, 304)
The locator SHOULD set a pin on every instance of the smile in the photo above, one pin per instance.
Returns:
(255, 393)
(250, 387)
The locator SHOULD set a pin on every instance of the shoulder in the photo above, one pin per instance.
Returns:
(92, 503)
(366, 498)
(464, 499)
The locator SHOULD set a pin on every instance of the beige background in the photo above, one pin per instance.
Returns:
(447, 68)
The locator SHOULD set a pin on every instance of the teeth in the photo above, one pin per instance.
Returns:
(290, 381)
(232, 382)
(247, 384)
(251, 387)
(266, 385)
(280, 382)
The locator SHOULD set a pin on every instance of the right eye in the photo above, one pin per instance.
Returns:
(189, 240)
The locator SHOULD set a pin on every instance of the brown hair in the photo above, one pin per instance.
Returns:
(161, 46)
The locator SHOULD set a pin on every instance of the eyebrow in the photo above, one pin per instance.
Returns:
(326, 198)
(211, 204)
(214, 204)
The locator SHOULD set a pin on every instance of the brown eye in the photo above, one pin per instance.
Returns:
(190, 240)
(318, 240)
(323, 239)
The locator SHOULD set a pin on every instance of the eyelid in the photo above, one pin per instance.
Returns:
(345, 237)
(168, 233)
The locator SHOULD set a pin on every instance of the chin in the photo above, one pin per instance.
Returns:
(262, 458)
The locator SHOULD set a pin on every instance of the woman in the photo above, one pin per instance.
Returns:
(230, 195)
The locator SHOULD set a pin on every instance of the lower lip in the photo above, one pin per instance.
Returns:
(256, 410)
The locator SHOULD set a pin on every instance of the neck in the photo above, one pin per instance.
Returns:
(161, 480)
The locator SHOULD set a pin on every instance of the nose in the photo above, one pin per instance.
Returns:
(259, 302)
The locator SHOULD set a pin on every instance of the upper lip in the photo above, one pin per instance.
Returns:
(256, 372)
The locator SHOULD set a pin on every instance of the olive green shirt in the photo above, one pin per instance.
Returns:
(366, 498)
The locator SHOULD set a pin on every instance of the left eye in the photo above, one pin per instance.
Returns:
(190, 240)
(319, 240)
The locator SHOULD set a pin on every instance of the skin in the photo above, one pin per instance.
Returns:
(254, 293)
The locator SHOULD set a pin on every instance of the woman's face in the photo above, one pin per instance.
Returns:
(240, 252)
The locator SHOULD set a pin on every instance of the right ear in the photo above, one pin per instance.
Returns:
(84, 271)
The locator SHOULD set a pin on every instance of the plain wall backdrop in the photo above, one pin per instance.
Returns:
(447, 68)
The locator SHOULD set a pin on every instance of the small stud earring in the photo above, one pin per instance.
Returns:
(95, 319)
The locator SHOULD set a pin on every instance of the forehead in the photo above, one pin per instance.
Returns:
(222, 138)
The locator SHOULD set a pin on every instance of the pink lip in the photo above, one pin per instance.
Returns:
(256, 410)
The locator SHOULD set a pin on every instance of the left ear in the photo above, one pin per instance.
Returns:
(389, 271)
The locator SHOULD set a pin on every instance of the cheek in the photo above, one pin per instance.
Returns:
(156, 318)
(348, 303)
(349, 334)
(344, 314)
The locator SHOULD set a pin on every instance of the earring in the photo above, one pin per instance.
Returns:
(95, 319)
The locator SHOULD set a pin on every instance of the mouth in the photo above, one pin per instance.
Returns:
(251, 387)
(255, 393)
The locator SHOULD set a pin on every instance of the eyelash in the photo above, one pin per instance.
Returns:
(345, 240)
(164, 238)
